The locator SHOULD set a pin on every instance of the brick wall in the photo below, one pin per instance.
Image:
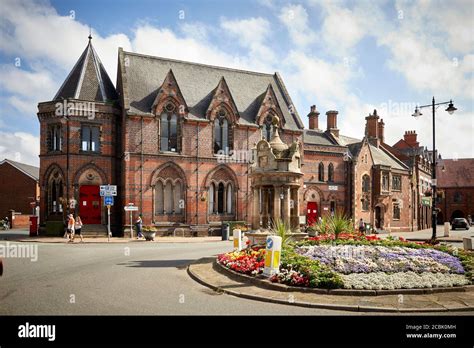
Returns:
(17, 190)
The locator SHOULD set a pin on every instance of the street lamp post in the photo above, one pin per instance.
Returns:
(417, 113)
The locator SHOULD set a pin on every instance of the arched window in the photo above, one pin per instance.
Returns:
(222, 133)
(366, 183)
(229, 199)
(221, 198)
(169, 197)
(169, 127)
(331, 172)
(55, 193)
(159, 204)
(267, 128)
(211, 198)
(321, 172)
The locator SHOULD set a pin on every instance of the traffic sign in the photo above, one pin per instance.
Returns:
(108, 190)
(109, 200)
(130, 208)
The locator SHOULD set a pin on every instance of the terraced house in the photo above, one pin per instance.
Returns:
(179, 139)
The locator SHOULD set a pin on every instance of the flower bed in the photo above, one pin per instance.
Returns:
(355, 261)
(365, 259)
(248, 261)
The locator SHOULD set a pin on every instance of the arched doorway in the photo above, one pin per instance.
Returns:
(89, 202)
(457, 214)
(312, 198)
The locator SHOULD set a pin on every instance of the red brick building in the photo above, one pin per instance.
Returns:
(178, 140)
(419, 160)
(455, 189)
(19, 188)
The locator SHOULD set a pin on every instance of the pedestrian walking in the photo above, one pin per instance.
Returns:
(70, 228)
(361, 226)
(138, 225)
(78, 228)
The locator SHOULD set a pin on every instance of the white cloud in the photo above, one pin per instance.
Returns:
(251, 34)
(19, 146)
(296, 20)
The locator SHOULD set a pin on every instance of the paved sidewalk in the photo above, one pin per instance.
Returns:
(444, 302)
(454, 236)
(113, 240)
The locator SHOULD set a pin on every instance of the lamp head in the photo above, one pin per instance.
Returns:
(417, 113)
(451, 108)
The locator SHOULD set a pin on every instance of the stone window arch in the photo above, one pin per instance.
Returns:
(55, 193)
(222, 132)
(170, 129)
(321, 171)
(168, 191)
(365, 183)
(221, 198)
(331, 172)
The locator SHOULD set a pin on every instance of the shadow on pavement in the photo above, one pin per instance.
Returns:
(180, 264)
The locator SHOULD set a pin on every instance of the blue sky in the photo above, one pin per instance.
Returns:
(352, 56)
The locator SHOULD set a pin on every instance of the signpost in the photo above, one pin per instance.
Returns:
(131, 208)
(108, 201)
(108, 192)
(272, 257)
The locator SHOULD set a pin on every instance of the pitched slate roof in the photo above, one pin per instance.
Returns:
(317, 137)
(142, 75)
(457, 173)
(382, 157)
(345, 140)
(88, 80)
(31, 171)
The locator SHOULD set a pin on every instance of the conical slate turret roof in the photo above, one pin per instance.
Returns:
(88, 80)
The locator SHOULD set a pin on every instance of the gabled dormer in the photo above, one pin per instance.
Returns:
(269, 108)
(222, 99)
(169, 97)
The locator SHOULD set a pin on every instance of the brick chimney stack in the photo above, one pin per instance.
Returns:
(372, 129)
(313, 117)
(381, 130)
(410, 138)
(332, 122)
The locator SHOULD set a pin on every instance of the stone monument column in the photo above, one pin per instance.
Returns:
(256, 209)
(277, 203)
(286, 205)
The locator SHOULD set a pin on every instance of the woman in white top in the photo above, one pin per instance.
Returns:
(78, 228)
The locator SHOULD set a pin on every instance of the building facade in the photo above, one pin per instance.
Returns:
(455, 189)
(19, 190)
(180, 139)
(420, 162)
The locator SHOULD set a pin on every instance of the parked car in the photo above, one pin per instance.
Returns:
(460, 223)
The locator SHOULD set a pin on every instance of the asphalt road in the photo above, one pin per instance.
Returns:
(109, 279)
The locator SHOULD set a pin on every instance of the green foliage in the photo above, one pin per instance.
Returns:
(337, 224)
(319, 275)
(281, 229)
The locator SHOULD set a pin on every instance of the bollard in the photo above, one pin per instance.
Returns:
(446, 229)
(272, 258)
(467, 243)
(237, 239)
